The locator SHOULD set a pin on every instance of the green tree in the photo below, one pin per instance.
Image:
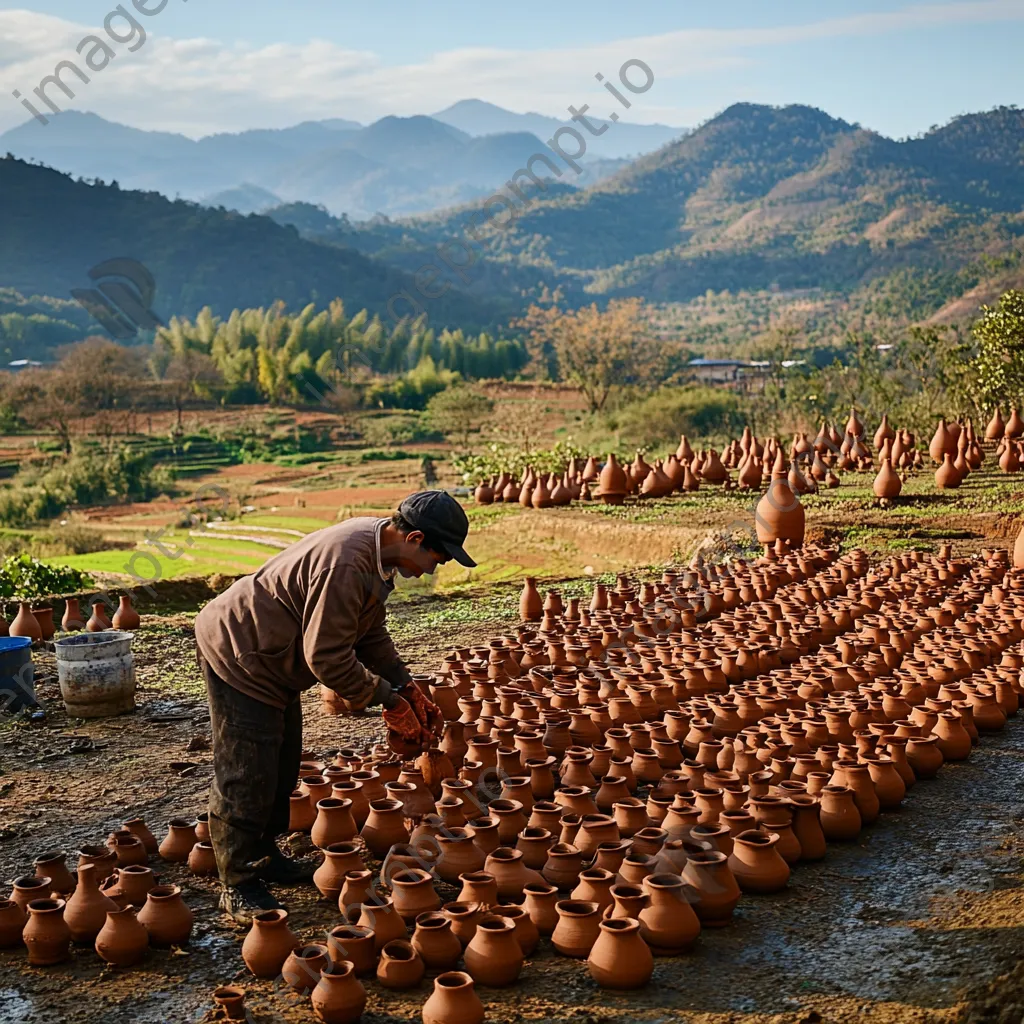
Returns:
(459, 413)
(999, 369)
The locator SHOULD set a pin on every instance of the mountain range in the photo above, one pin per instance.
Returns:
(395, 166)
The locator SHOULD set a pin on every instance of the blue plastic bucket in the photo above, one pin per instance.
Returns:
(17, 687)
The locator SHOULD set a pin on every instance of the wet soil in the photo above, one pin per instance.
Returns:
(921, 920)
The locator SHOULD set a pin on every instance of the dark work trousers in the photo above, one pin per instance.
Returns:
(256, 755)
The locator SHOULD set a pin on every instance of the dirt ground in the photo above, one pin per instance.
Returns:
(917, 922)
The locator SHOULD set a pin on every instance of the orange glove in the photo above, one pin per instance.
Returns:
(428, 713)
(406, 735)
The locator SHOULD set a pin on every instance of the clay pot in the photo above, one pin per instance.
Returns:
(268, 943)
(779, 514)
(386, 922)
(385, 826)
(669, 924)
(494, 957)
(713, 884)
(12, 923)
(46, 936)
(230, 1000)
(130, 885)
(563, 867)
(339, 860)
(166, 917)
(301, 970)
(334, 823)
(126, 617)
(620, 958)
(454, 1001)
(339, 996)
(924, 756)
(354, 944)
(756, 864)
(839, 816)
(464, 917)
(594, 886)
(527, 933)
(127, 848)
(459, 855)
(102, 858)
(28, 888)
(577, 928)
(614, 484)
(98, 621)
(356, 889)
(400, 967)
(72, 619)
(140, 830)
(122, 941)
(86, 911)
(510, 873)
(202, 860)
(302, 813)
(953, 739)
(807, 827)
(435, 942)
(413, 893)
(531, 604)
(54, 866)
(26, 624)
(539, 901)
(44, 616)
(178, 843)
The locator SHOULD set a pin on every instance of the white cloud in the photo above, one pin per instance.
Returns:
(203, 85)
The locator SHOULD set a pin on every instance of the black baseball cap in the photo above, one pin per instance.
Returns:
(442, 520)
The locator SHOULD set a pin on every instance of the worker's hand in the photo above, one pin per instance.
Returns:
(406, 735)
(425, 710)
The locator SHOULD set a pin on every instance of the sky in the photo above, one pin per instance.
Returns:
(227, 65)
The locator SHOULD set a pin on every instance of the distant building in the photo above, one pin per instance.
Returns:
(717, 371)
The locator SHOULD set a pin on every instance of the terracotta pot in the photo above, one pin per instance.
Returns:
(464, 917)
(302, 813)
(400, 967)
(140, 830)
(807, 827)
(839, 816)
(385, 826)
(44, 616)
(577, 928)
(26, 624)
(856, 777)
(510, 873)
(924, 756)
(122, 941)
(178, 843)
(339, 860)
(72, 620)
(12, 923)
(459, 855)
(102, 858)
(413, 893)
(594, 886)
(539, 901)
(531, 604)
(339, 996)
(202, 860)
(46, 936)
(953, 739)
(86, 911)
(669, 925)
(756, 864)
(356, 945)
(454, 1001)
(356, 888)
(620, 958)
(334, 823)
(129, 885)
(386, 922)
(563, 866)
(301, 970)
(53, 865)
(714, 886)
(98, 621)
(28, 888)
(268, 943)
(435, 942)
(527, 933)
(494, 957)
(230, 1000)
(166, 917)
(126, 617)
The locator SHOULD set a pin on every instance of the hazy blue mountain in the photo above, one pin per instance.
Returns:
(244, 198)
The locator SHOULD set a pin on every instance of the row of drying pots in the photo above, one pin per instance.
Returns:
(37, 622)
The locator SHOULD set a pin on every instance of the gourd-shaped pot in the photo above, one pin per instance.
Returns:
(87, 909)
(708, 874)
(166, 917)
(268, 943)
(98, 621)
(435, 942)
(620, 958)
(46, 936)
(454, 1001)
(669, 925)
(72, 620)
(334, 823)
(301, 970)
(339, 996)
(354, 944)
(531, 604)
(12, 924)
(178, 843)
(26, 624)
(756, 864)
(122, 941)
(779, 514)
(126, 617)
(577, 928)
(400, 966)
(494, 957)
(385, 826)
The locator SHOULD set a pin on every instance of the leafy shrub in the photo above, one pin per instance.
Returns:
(24, 578)
(413, 389)
(384, 431)
(658, 420)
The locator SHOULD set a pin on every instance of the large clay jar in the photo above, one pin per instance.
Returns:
(166, 917)
(531, 604)
(178, 843)
(669, 924)
(339, 996)
(86, 910)
(708, 874)
(355, 944)
(577, 928)
(54, 866)
(46, 936)
(126, 617)
(435, 942)
(413, 893)
(494, 957)
(756, 864)
(122, 941)
(779, 514)
(454, 1001)
(887, 483)
(12, 924)
(400, 967)
(26, 624)
(268, 943)
(301, 970)
(385, 826)
(620, 958)
(334, 823)
(613, 485)
(838, 814)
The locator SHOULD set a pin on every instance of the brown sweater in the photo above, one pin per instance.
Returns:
(314, 613)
